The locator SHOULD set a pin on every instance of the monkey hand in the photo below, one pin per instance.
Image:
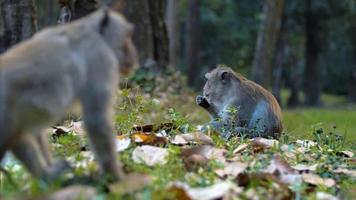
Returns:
(201, 101)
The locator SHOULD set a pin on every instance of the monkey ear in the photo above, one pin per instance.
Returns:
(104, 21)
(224, 76)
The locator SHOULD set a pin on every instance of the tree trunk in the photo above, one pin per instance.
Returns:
(84, 7)
(159, 33)
(312, 45)
(280, 59)
(19, 21)
(266, 42)
(172, 28)
(352, 79)
(193, 41)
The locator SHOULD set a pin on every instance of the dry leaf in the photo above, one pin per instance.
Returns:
(144, 128)
(207, 151)
(305, 168)
(150, 155)
(196, 138)
(122, 143)
(148, 139)
(347, 154)
(283, 171)
(131, 183)
(221, 190)
(306, 143)
(345, 171)
(260, 144)
(231, 169)
(73, 193)
(240, 148)
(195, 160)
(78, 127)
(314, 179)
(325, 196)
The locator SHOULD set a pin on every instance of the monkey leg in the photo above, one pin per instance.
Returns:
(97, 120)
(28, 151)
(45, 148)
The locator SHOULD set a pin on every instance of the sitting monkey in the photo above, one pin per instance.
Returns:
(42, 77)
(239, 106)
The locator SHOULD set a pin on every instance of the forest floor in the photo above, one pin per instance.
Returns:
(167, 156)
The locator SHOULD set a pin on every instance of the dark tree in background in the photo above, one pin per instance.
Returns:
(172, 28)
(352, 76)
(150, 35)
(312, 51)
(193, 41)
(267, 41)
(280, 58)
(18, 21)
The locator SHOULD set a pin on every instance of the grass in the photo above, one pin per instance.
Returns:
(135, 108)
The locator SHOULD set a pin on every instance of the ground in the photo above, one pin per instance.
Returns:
(313, 159)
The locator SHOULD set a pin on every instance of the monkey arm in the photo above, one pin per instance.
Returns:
(201, 101)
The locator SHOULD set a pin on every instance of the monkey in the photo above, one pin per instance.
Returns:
(239, 106)
(42, 77)
(66, 12)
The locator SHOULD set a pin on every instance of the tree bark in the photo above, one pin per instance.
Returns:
(280, 59)
(266, 42)
(193, 41)
(352, 78)
(19, 21)
(172, 28)
(312, 45)
(159, 30)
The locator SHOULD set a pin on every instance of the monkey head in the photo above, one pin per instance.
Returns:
(219, 87)
(117, 33)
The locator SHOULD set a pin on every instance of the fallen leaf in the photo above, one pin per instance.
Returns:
(144, 128)
(305, 168)
(283, 171)
(131, 183)
(207, 151)
(347, 154)
(150, 155)
(195, 160)
(260, 144)
(78, 127)
(262, 179)
(84, 159)
(196, 138)
(59, 131)
(231, 169)
(148, 139)
(73, 193)
(325, 196)
(221, 190)
(314, 179)
(122, 143)
(240, 148)
(345, 171)
(306, 143)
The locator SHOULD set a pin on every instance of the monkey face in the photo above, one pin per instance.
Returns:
(216, 87)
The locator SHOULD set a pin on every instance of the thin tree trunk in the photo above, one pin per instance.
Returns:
(280, 59)
(266, 42)
(19, 21)
(172, 28)
(352, 78)
(311, 71)
(159, 33)
(193, 41)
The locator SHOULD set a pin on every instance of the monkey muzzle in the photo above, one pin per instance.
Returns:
(201, 101)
